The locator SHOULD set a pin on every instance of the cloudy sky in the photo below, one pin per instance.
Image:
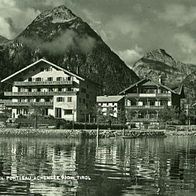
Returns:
(129, 27)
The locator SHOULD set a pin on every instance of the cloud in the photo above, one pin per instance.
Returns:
(5, 28)
(14, 18)
(179, 14)
(65, 41)
(130, 56)
(7, 3)
(122, 25)
(187, 44)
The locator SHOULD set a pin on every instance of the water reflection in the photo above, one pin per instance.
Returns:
(159, 166)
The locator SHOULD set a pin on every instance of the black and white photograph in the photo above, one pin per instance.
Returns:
(97, 97)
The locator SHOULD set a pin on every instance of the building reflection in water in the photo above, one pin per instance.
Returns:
(159, 166)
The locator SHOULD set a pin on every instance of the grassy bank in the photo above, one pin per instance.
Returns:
(58, 133)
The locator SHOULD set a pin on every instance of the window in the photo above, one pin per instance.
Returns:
(152, 102)
(58, 112)
(59, 89)
(69, 78)
(48, 69)
(67, 112)
(60, 99)
(25, 111)
(38, 79)
(69, 99)
(50, 79)
(59, 79)
(29, 79)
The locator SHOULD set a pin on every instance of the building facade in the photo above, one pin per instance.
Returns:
(111, 105)
(145, 99)
(51, 89)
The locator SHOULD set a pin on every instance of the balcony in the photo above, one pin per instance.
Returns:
(27, 104)
(135, 119)
(145, 107)
(150, 95)
(43, 83)
(35, 94)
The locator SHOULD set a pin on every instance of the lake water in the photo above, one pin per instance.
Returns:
(111, 167)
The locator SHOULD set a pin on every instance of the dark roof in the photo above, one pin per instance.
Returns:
(109, 99)
(47, 62)
(147, 81)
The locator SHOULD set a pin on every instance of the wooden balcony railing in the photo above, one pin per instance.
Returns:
(146, 95)
(43, 83)
(135, 119)
(26, 104)
(145, 107)
(32, 94)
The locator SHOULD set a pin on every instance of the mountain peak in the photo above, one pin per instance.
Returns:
(61, 37)
(158, 54)
(60, 14)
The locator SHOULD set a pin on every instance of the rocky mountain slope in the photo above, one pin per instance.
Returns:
(3, 39)
(159, 62)
(65, 39)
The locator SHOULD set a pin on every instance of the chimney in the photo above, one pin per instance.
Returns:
(162, 79)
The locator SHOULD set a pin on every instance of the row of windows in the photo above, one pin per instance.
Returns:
(35, 100)
(38, 79)
(148, 103)
(45, 89)
(21, 111)
(112, 103)
(150, 91)
(62, 99)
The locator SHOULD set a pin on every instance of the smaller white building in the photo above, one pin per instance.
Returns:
(113, 104)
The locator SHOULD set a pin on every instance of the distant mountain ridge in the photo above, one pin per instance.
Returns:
(61, 37)
(158, 63)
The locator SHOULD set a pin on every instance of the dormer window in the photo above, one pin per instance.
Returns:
(48, 69)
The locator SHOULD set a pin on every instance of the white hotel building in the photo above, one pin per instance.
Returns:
(55, 90)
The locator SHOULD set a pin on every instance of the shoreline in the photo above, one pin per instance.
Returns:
(91, 133)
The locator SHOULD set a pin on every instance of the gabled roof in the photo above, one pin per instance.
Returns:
(147, 81)
(42, 60)
(109, 99)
